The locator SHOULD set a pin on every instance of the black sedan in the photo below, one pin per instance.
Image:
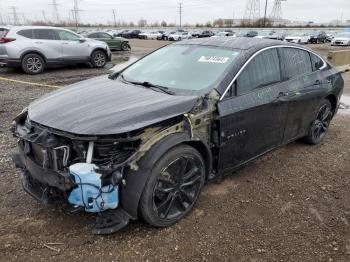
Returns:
(318, 37)
(142, 142)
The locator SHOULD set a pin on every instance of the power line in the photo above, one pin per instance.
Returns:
(276, 14)
(252, 11)
(75, 12)
(14, 14)
(55, 13)
(180, 12)
(114, 17)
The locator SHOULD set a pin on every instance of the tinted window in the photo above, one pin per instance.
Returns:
(28, 33)
(65, 35)
(295, 62)
(263, 70)
(317, 62)
(47, 34)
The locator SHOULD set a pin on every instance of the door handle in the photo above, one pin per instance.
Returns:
(38, 42)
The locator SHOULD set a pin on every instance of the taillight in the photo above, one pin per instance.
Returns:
(5, 39)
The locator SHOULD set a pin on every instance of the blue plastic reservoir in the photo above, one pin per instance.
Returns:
(89, 192)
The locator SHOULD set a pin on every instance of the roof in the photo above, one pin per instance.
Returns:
(242, 43)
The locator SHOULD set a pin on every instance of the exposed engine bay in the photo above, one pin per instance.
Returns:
(88, 172)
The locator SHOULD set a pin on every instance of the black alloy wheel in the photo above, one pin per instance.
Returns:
(321, 123)
(174, 186)
(125, 46)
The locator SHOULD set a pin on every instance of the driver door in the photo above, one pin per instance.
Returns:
(252, 114)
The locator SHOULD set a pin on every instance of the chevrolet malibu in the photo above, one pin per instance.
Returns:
(142, 142)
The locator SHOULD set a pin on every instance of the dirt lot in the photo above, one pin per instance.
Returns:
(293, 204)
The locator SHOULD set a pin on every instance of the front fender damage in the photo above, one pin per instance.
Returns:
(90, 172)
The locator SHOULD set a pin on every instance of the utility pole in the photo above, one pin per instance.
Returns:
(265, 13)
(180, 12)
(114, 17)
(44, 16)
(55, 13)
(75, 12)
(14, 14)
(252, 11)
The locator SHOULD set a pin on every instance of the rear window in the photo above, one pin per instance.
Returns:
(45, 34)
(28, 33)
(3, 32)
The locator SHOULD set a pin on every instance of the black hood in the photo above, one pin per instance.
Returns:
(101, 106)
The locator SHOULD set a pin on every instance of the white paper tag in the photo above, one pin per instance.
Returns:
(213, 59)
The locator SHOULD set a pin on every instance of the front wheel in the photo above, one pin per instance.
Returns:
(125, 46)
(320, 125)
(98, 59)
(173, 187)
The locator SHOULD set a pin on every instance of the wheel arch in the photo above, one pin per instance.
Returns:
(33, 52)
(99, 49)
(334, 101)
(136, 180)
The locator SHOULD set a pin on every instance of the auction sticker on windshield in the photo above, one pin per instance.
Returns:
(213, 59)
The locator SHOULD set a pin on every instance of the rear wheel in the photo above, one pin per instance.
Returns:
(98, 59)
(33, 64)
(174, 186)
(319, 126)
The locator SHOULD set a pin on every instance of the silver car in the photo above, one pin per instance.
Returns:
(33, 48)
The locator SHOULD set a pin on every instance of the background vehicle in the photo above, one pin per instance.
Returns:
(131, 34)
(36, 47)
(342, 39)
(157, 137)
(319, 37)
(205, 33)
(150, 35)
(114, 43)
(298, 38)
(178, 36)
(223, 34)
(265, 34)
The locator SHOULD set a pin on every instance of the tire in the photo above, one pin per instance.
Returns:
(125, 46)
(320, 124)
(33, 64)
(169, 195)
(98, 59)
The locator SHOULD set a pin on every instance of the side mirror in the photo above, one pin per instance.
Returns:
(82, 40)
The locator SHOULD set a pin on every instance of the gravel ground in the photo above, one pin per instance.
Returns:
(292, 204)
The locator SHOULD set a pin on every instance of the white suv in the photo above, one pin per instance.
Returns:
(36, 47)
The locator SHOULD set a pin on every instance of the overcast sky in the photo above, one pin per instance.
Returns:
(193, 10)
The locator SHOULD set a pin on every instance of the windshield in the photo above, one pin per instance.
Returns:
(266, 33)
(182, 67)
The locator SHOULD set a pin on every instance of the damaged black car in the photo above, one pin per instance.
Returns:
(142, 142)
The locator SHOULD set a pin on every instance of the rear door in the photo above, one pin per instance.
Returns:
(73, 49)
(304, 89)
(252, 118)
(46, 41)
